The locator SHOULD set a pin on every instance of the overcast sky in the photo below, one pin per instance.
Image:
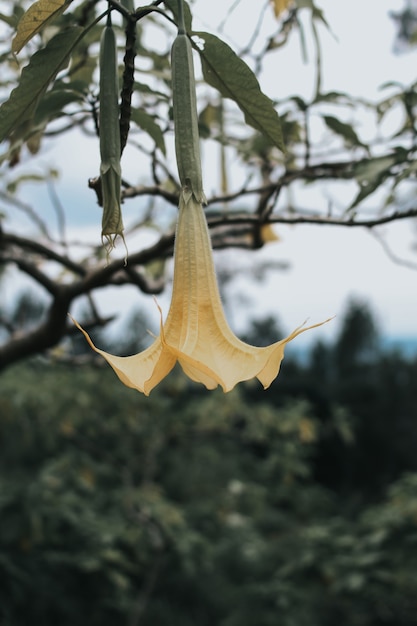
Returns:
(330, 265)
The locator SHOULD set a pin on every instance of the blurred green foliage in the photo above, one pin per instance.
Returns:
(296, 506)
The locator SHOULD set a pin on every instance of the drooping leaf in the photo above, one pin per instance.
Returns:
(370, 174)
(35, 78)
(145, 89)
(344, 130)
(147, 123)
(300, 102)
(38, 15)
(365, 190)
(225, 71)
(370, 169)
(54, 101)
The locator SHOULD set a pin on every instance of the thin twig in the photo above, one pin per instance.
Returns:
(7, 239)
(390, 254)
(217, 219)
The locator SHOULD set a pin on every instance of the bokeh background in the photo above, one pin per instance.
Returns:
(294, 506)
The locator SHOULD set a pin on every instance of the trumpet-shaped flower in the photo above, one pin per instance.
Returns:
(196, 333)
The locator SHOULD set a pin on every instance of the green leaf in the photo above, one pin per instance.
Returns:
(370, 169)
(370, 174)
(334, 96)
(225, 71)
(147, 123)
(301, 104)
(343, 130)
(36, 76)
(53, 103)
(145, 89)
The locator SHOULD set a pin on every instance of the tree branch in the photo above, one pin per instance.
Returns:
(45, 336)
(219, 219)
(30, 245)
(33, 271)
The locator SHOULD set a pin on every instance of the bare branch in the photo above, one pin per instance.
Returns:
(144, 190)
(30, 245)
(45, 336)
(221, 219)
(33, 271)
(26, 208)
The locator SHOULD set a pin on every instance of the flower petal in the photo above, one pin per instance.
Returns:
(196, 329)
(276, 354)
(141, 371)
(196, 333)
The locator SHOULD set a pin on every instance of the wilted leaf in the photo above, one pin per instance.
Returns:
(36, 17)
(147, 123)
(280, 6)
(225, 71)
(36, 76)
(343, 130)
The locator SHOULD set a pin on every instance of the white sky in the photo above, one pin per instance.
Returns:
(328, 264)
(332, 264)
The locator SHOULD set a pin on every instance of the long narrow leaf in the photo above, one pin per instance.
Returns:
(344, 130)
(38, 15)
(225, 71)
(35, 78)
(147, 123)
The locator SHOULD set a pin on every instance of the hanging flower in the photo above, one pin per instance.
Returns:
(196, 333)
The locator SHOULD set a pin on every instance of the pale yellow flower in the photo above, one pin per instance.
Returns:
(196, 333)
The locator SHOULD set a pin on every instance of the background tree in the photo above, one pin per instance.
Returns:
(198, 506)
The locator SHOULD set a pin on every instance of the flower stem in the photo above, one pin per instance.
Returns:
(181, 21)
